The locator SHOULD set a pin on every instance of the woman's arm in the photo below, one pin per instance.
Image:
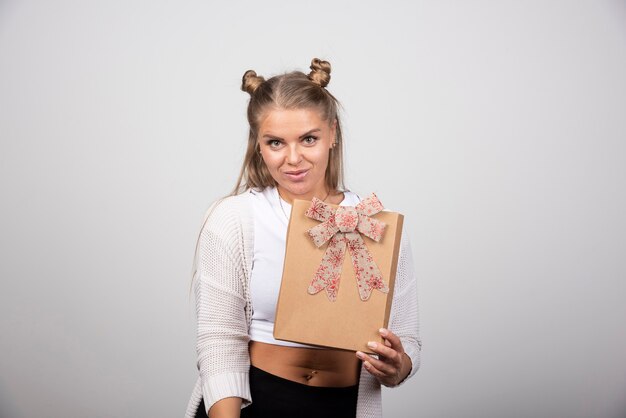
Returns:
(222, 330)
(404, 317)
(399, 357)
(226, 408)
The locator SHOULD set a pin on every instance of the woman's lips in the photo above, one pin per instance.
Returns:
(296, 175)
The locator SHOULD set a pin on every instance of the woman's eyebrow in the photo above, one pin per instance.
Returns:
(270, 136)
(304, 135)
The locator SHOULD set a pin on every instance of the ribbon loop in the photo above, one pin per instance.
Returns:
(342, 228)
(371, 228)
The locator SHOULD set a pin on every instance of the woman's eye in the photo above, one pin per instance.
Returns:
(310, 139)
(273, 143)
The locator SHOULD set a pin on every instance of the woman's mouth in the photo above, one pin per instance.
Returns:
(296, 175)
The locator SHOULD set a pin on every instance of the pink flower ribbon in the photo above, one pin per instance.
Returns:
(342, 227)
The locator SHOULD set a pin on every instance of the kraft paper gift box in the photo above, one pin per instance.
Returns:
(321, 302)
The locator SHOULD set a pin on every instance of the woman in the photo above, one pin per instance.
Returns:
(294, 152)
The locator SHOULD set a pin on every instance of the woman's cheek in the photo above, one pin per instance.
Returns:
(273, 160)
(319, 154)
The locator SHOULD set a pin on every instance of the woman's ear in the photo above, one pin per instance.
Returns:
(333, 134)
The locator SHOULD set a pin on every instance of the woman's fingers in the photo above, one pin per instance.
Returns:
(383, 350)
(378, 367)
(387, 368)
(373, 370)
(396, 344)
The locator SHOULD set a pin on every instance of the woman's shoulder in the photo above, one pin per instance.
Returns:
(228, 212)
(351, 198)
(232, 202)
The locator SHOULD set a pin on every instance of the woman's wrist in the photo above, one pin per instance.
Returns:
(407, 366)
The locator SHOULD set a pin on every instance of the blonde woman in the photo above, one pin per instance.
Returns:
(294, 152)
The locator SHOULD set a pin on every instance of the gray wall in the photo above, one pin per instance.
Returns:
(497, 127)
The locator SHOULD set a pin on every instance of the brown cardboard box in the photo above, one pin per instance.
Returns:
(348, 322)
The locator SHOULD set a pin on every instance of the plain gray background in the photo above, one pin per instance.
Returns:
(497, 127)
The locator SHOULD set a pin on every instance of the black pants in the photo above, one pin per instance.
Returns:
(275, 397)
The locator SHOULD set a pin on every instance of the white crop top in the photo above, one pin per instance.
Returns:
(271, 218)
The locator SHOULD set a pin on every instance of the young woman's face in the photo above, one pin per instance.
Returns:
(295, 145)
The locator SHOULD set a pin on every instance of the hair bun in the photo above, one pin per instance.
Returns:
(250, 82)
(320, 73)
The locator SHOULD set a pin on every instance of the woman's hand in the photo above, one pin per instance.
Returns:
(392, 365)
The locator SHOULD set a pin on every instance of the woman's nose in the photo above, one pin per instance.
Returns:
(294, 156)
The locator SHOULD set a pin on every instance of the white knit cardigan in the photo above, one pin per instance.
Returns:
(223, 266)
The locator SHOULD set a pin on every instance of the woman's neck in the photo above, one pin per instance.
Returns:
(333, 198)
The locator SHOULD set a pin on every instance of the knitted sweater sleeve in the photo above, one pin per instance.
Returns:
(404, 317)
(222, 331)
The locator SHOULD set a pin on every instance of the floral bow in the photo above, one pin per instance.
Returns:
(342, 227)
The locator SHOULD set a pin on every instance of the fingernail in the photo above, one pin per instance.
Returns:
(359, 355)
(371, 344)
(383, 331)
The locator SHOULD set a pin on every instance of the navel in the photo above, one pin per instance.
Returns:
(310, 375)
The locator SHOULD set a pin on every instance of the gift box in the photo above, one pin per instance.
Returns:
(339, 273)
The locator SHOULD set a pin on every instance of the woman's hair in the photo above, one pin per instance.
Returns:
(293, 90)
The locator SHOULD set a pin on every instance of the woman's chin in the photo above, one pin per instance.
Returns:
(298, 190)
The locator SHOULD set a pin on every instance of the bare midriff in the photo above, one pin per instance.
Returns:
(310, 366)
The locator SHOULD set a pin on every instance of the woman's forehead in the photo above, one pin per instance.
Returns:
(292, 121)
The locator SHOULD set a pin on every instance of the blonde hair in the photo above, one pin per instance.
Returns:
(293, 90)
